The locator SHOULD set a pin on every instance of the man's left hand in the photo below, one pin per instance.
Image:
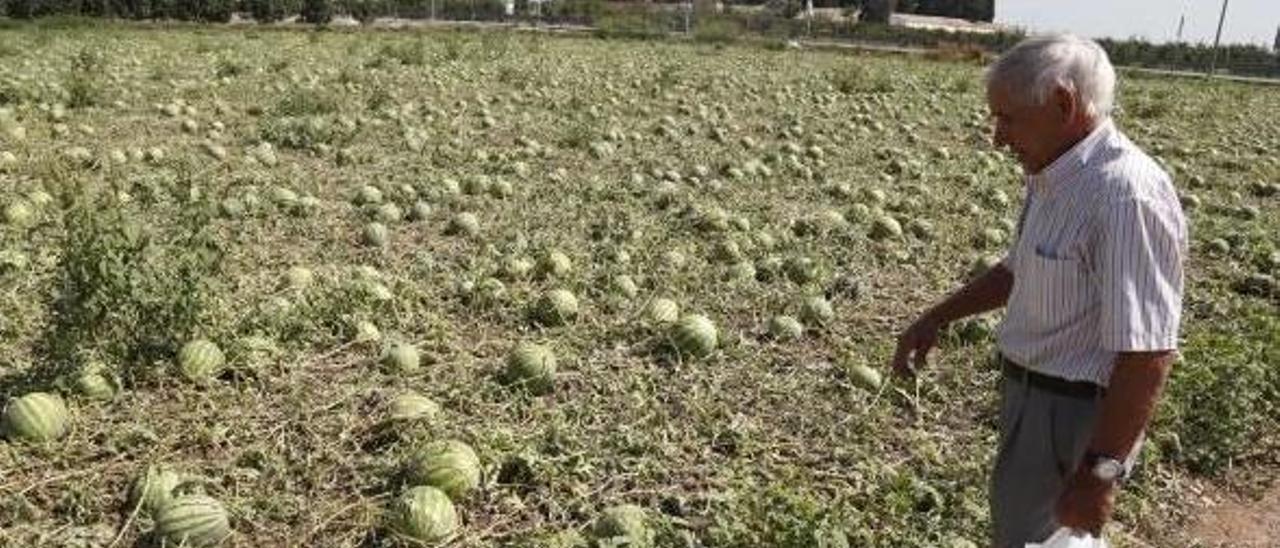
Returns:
(1086, 503)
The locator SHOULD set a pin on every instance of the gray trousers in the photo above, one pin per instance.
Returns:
(1043, 438)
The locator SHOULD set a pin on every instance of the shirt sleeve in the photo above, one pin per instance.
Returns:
(1139, 270)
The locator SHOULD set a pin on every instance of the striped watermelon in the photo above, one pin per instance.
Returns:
(785, 328)
(624, 525)
(863, 375)
(449, 465)
(424, 514)
(153, 489)
(402, 358)
(817, 311)
(38, 416)
(625, 286)
(694, 335)
(554, 264)
(662, 311)
(201, 360)
(96, 383)
(411, 406)
(375, 235)
(557, 307)
(193, 520)
(463, 224)
(531, 366)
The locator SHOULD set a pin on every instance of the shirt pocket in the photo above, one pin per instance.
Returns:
(1058, 290)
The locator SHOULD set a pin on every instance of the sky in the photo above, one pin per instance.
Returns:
(1247, 22)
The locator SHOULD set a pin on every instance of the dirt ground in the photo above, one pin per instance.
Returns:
(1237, 521)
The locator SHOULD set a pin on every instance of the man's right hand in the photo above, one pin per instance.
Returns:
(914, 345)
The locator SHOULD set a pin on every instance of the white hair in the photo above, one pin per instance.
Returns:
(1038, 65)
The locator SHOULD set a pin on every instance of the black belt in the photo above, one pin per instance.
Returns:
(1082, 390)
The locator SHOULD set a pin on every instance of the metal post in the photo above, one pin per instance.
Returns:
(1182, 22)
(688, 10)
(808, 19)
(1213, 59)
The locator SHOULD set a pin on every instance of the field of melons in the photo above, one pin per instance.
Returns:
(286, 288)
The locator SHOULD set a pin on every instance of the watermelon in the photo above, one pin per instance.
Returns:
(284, 198)
(463, 224)
(449, 465)
(420, 211)
(401, 358)
(531, 366)
(11, 260)
(18, 213)
(232, 208)
(424, 514)
(193, 520)
(728, 251)
(741, 271)
(95, 382)
(662, 311)
(785, 328)
(516, 268)
(200, 360)
(299, 277)
(817, 311)
(491, 290)
(623, 525)
(557, 307)
(366, 332)
(153, 489)
(625, 286)
(375, 235)
(554, 264)
(38, 417)
(863, 375)
(388, 213)
(695, 336)
(884, 227)
(800, 270)
(368, 195)
(673, 259)
(411, 406)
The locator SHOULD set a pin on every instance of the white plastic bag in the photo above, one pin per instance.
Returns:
(1067, 537)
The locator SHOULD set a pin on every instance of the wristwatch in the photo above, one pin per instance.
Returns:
(1105, 468)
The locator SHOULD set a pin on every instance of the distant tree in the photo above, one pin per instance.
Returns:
(878, 11)
(317, 12)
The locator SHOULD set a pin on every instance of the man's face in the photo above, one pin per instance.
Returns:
(1034, 134)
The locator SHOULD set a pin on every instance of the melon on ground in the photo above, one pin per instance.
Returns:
(424, 514)
(151, 490)
(662, 311)
(695, 335)
(623, 525)
(449, 465)
(411, 406)
(193, 520)
(531, 366)
(557, 307)
(401, 358)
(38, 417)
(201, 360)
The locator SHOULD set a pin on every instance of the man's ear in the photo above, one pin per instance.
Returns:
(1066, 103)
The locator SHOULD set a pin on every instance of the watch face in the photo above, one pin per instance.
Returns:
(1107, 470)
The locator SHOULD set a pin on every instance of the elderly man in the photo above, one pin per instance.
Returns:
(1092, 289)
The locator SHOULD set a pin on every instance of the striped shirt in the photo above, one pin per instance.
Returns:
(1097, 263)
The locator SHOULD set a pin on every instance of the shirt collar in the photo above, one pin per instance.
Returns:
(1072, 160)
